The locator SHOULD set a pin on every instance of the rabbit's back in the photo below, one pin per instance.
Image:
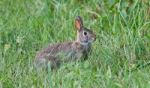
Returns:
(54, 49)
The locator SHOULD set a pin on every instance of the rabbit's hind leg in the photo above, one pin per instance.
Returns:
(42, 63)
(54, 62)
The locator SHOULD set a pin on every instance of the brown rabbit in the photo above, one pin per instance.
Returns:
(72, 50)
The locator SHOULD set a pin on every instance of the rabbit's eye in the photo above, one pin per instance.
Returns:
(85, 33)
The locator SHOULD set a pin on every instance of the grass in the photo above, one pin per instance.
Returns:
(123, 42)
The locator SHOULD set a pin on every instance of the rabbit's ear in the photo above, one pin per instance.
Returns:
(78, 23)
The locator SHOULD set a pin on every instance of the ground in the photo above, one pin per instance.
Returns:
(122, 44)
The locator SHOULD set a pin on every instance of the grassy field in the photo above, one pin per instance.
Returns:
(123, 43)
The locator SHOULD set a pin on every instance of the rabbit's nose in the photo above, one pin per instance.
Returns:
(94, 37)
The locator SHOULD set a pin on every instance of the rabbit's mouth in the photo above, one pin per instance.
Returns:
(88, 41)
(93, 39)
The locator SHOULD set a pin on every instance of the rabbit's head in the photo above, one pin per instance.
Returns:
(84, 35)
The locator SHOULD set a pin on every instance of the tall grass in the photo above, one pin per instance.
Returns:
(123, 43)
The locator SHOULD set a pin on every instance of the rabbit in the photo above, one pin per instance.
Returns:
(74, 50)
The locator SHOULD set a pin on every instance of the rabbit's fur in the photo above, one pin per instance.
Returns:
(71, 50)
